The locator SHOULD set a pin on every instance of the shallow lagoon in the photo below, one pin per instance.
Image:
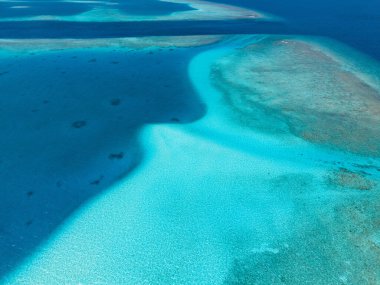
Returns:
(22, 9)
(60, 125)
(116, 11)
(138, 163)
(209, 200)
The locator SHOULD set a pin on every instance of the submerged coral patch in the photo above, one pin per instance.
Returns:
(293, 86)
(331, 245)
(349, 179)
(79, 124)
(115, 102)
(128, 43)
(116, 156)
(97, 181)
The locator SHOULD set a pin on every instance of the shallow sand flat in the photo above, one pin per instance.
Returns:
(129, 43)
(214, 202)
(287, 85)
(202, 10)
(161, 227)
(205, 10)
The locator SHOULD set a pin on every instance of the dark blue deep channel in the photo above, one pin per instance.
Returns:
(352, 22)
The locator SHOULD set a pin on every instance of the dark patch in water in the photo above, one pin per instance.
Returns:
(115, 102)
(116, 156)
(368, 166)
(79, 124)
(30, 193)
(97, 181)
(92, 60)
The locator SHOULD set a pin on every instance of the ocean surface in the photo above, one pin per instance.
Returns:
(190, 142)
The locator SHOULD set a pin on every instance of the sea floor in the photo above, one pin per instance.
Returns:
(211, 162)
(121, 11)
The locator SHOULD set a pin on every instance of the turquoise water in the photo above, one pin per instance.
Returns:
(67, 139)
(206, 202)
(22, 9)
(124, 161)
(121, 11)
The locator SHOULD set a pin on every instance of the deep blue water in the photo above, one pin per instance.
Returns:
(38, 8)
(118, 93)
(353, 22)
(64, 29)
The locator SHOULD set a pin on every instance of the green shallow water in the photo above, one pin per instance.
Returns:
(217, 201)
